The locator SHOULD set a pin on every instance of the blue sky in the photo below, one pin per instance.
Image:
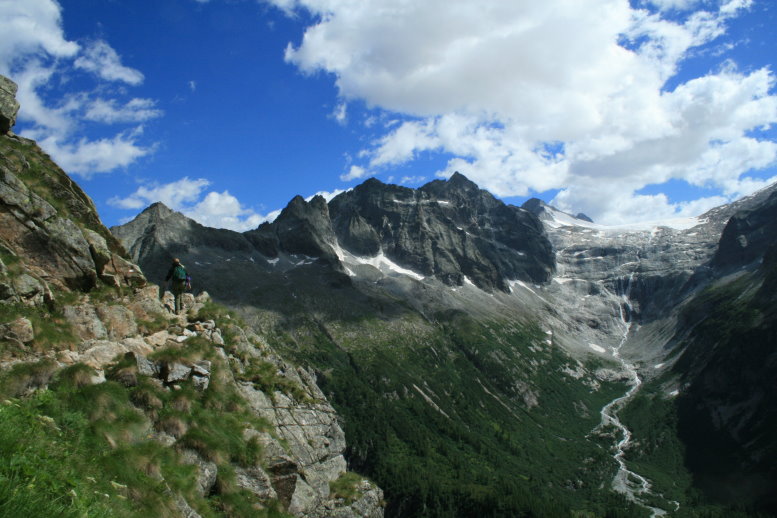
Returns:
(226, 109)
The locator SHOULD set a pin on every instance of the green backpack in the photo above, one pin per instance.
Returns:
(179, 273)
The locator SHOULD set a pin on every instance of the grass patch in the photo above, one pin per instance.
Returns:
(264, 376)
(346, 487)
(52, 331)
(155, 324)
(220, 314)
(25, 377)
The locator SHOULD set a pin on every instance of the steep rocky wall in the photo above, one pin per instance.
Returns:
(50, 229)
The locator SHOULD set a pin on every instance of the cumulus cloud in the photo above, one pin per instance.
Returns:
(32, 27)
(340, 113)
(87, 157)
(100, 59)
(110, 111)
(533, 96)
(354, 172)
(35, 54)
(175, 195)
(189, 196)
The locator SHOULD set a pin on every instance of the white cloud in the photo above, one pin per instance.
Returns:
(31, 27)
(212, 209)
(222, 210)
(340, 113)
(109, 110)
(100, 59)
(36, 55)
(666, 5)
(532, 96)
(354, 173)
(175, 195)
(86, 157)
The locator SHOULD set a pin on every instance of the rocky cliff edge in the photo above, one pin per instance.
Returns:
(176, 415)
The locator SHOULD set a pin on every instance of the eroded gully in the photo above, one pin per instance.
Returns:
(633, 486)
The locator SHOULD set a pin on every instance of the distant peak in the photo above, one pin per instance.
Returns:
(459, 180)
(158, 205)
(534, 205)
(158, 208)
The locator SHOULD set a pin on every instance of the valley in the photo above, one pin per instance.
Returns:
(391, 303)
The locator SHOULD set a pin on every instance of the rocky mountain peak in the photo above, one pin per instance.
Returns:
(459, 181)
(158, 209)
(9, 106)
(534, 205)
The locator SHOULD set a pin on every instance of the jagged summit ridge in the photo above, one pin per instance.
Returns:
(449, 230)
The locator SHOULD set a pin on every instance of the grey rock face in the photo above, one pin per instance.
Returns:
(610, 277)
(207, 471)
(450, 229)
(8, 104)
(60, 245)
(85, 322)
(747, 235)
(301, 228)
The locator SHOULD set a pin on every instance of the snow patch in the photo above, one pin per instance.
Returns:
(381, 262)
(658, 366)
(597, 348)
(273, 261)
(560, 219)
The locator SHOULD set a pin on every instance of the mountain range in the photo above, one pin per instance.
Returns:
(406, 293)
(429, 352)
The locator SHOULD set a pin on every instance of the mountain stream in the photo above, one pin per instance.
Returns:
(635, 487)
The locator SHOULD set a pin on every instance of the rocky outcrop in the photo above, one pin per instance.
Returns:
(50, 230)
(747, 235)
(302, 447)
(8, 104)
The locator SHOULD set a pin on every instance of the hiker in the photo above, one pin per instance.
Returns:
(177, 273)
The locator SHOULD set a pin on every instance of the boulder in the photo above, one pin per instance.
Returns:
(137, 346)
(29, 290)
(118, 320)
(256, 481)
(174, 372)
(19, 330)
(304, 498)
(9, 106)
(86, 324)
(145, 366)
(100, 353)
